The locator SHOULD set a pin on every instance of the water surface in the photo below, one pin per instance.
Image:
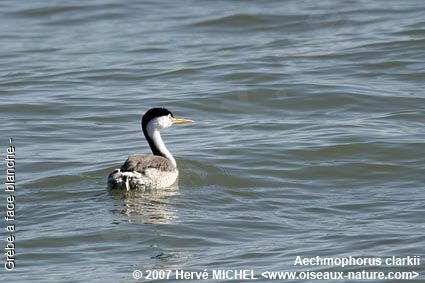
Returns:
(308, 141)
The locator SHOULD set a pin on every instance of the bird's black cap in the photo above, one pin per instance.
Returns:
(154, 113)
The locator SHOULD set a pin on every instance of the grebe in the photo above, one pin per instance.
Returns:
(149, 171)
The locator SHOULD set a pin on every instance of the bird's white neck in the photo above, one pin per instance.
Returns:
(155, 135)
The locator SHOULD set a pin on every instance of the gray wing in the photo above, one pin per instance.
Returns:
(140, 163)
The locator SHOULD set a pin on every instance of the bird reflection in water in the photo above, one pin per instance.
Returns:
(147, 206)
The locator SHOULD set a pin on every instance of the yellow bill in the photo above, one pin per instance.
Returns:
(181, 121)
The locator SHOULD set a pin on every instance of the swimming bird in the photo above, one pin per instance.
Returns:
(149, 171)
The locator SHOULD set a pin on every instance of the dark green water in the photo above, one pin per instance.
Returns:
(308, 141)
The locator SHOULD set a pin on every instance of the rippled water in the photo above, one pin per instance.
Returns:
(308, 141)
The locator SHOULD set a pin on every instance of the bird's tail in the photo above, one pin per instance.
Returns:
(126, 176)
(127, 183)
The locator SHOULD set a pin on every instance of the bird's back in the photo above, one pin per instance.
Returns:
(140, 163)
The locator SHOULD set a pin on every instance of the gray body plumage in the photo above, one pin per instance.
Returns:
(144, 171)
